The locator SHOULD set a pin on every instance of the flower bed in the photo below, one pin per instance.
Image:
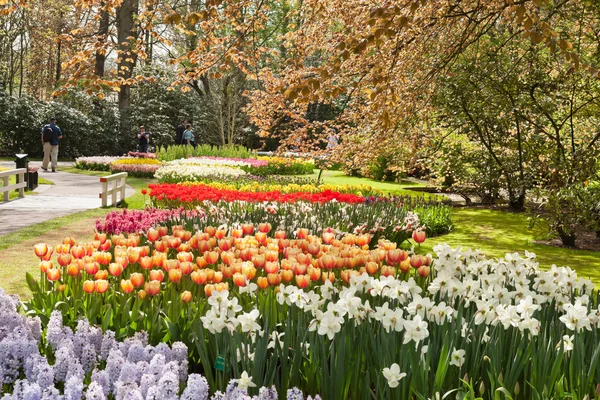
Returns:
(282, 166)
(140, 167)
(186, 195)
(101, 163)
(329, 315)
(178, 172)
(393, 218)
(177, 152)
(141, 155)
(88, 363)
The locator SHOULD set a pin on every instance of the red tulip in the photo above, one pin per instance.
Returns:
(419, 236)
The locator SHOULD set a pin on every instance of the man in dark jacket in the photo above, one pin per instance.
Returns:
(50, 143)
(179, 132)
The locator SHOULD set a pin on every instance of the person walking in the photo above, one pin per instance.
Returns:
(51, 134)
(143, 137)
(179, 132)
(188, 136)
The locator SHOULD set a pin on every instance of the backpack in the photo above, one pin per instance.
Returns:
(47, 134)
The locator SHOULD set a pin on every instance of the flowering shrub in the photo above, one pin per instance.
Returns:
(85, 362)
(95, 163)
(327, 314)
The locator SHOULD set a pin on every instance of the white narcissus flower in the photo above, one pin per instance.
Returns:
(250, 288)
(457, 358)
(415, 329)
(245, 381)
(248, 321)
(393, 375)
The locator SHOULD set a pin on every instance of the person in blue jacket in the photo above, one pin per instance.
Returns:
(51, 134)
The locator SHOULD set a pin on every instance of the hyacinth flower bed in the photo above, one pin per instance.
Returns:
(100, 163)
(87, 363)
(391, 217)
(331, 315)
(140, 167)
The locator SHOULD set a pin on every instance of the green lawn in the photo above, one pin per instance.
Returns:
(13, 194)
(398, 188)
(499, 232)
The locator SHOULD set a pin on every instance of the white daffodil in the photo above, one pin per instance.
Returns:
(245, 381)
(457, 357)
(393, 375)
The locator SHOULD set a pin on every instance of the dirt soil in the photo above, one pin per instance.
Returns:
(585, 241)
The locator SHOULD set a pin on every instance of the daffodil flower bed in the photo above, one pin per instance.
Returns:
(331, 314)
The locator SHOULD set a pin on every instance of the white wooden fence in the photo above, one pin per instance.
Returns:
(6, 188)
(118, 186)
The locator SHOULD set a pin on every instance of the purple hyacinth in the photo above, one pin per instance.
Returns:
(294, 394)
(197, 388)
(74, 388)
(94, 392)
(266, 393)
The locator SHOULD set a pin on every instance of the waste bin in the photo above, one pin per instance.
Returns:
(22, 162)
(32, 178)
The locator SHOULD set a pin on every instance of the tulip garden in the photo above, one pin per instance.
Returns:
(278, 287)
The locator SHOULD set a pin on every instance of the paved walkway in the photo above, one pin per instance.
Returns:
(70, 193)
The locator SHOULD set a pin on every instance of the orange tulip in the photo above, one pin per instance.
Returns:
(300, 269)
(302, 233)
(48, 255)
(53, 274)
(73, 270)
(208, 290)
(201, 262)
(220, 233)
(126, 286)
(137, 279)
(142, 294)
(40, 249)
(371, 267)
(105, 246)
(152, 235)
(210, 274)
(259, 261)
(328, 261)
(264, 227)
(199, 277)
(211, 257)
(186, 297)
(302, 281)
(152, 288)
(78, 251)
(45, 266)
(102, 274)
(101, 286)
(405, 265)
(226, 271)
(416, 260)
(237, 233)
(173, 242)
(115, 269)
(162, 231)
(92, 267)
(247, 229)
(274, 279)
(328, 237)
(89, 286)
(158, 259)
(218, 277)
(388, 271)
(287, 275)
(272, 267)
(133, 255)
(161, 246)
(170, 264)
(327, 275)
(262, 282)
(423, 271)
(146, 262)
(280, 235)
(157, 275)
(64, 259)
(314, 273)
(185, 267)
(239, 280)
(185, 256)
(101, 237)
(261, 237)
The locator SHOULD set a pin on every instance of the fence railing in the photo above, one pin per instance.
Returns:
(118, 186)
(21, 185)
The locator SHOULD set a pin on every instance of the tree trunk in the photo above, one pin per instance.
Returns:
(517, 203)
(58, 62)
(126, 60)
(102, 35)
(568, 240)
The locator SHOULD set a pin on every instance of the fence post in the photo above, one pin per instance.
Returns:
(104, 193)
(122, 180)
(5, 179)
(22, 189)
(114, 192)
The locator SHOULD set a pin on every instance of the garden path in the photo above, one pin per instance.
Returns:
(70, 194)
